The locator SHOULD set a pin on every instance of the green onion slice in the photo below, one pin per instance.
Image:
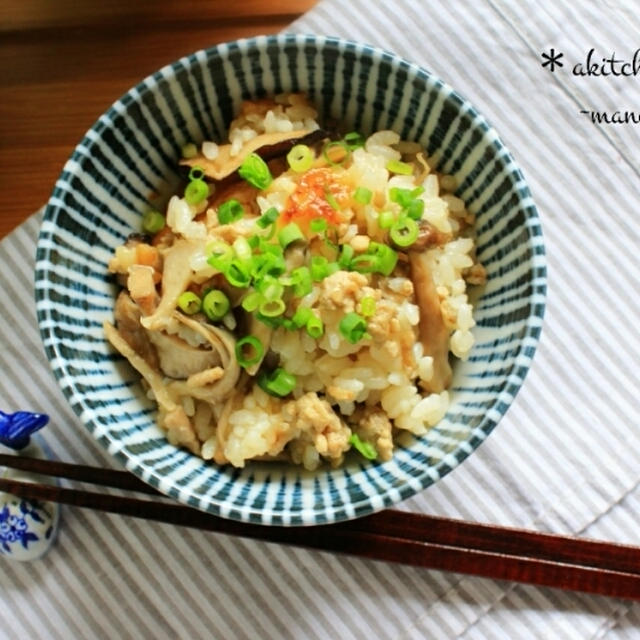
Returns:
(196, 191)
(189, 302)
(385, 219)
(399, 167)
(301, 281)
(334, 158)
(252, 301)
(353, 327)
(353, 140)
(270, 287)
(364, 448)
(346, 255)
(152, 221)
(301, 316)
(300, 158)
(289, 234)
(215, 305)
(196, 173)
(267, 218)
(230, 211)
(368, 306)
(272, 308)
(278, 383)
(237, 273)
(362, 195)
(249, 351)
(318, 225)
(404, 197)
(322, 268)
(404, 232)
(315, 326)
(415, 209)
(255, 171)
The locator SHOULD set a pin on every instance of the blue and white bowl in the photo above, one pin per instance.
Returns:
(132, 152)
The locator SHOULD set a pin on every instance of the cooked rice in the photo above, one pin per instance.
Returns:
(373, 388)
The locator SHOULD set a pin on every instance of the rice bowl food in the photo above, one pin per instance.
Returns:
(130, 162)
(303, 295)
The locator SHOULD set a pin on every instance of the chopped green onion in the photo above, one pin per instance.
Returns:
(364, 448)
(300, 158)
(353, 140)
(270, 288)
(268, 264)
(197, 190)
(385, 219)
(196, 173)
(289, 234)
(189, 302)
(327, 153)
(242, 248)
(230, 211)
(237, 273)
(189, 150)
(353, 327)
(415, 209)
(318, 225)
(368, 306)
(255, 171)
(399, 167)
(379, 258)
(404, 232)
(346, 255)
(152, 221)
(215, 304)
(363, 195)
(330, 198)
(301, 281)
(272, 323)
(252, 301)
(249, 350)
(277, 383)
(387, 256)
(321, 268)
(301, 316)
(221, 255)
(404, 197)
(267, 218)
(315, 326)
(272, 308)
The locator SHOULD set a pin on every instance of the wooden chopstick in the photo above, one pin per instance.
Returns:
(393, 536)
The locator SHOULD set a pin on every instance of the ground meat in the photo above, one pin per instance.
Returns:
(376, 428)
(340, 291)
(316, 419)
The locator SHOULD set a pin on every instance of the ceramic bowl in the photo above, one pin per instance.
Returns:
(132, 152)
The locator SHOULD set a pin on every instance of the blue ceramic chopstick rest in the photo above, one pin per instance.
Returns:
(27, 527)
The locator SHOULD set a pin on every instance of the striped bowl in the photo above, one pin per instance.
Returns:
(132, 151)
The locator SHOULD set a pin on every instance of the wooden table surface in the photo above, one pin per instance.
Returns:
(64, 62)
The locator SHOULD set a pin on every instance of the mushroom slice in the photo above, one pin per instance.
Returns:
(223, 343)
(153, 377)
(432, 331)
(179, 359)
(177, 274)
(225, 164)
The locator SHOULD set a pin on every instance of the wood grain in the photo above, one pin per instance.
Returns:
(420, 540)
(64, 63)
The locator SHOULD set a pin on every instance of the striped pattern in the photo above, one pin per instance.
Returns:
(97, 202)
(564, 458)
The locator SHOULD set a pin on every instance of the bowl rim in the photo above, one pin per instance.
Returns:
(331, 513)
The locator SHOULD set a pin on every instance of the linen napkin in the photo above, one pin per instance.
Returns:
(564, 458)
